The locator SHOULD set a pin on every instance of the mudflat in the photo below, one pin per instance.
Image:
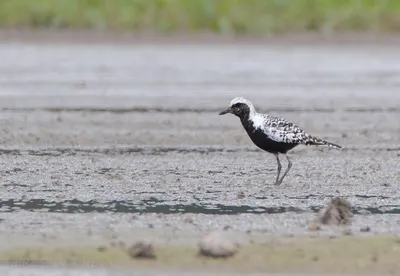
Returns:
(105, 144)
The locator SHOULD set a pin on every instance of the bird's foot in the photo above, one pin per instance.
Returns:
(277, 183)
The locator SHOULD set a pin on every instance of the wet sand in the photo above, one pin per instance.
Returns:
(104, 143)
(315, 255)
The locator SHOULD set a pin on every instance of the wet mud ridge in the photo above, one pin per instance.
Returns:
(197, 110)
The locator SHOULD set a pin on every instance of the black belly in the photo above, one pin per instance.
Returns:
(263, 142)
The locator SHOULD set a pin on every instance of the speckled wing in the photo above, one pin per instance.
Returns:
(281, 130)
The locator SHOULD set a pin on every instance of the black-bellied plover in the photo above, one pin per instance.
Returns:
(272, 134)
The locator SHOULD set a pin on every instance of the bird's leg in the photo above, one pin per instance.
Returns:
(287, 170)
(279, 169)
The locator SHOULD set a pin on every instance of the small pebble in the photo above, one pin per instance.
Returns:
(314, 227)
(216, 245)
(227, 227)
(347, 232)
(101, 249)
(143, 250)
(365, 229)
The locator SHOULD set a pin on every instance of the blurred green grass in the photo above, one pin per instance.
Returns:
(219, 16)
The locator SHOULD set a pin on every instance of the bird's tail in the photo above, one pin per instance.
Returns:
(319, 142)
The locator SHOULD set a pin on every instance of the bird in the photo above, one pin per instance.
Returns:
(272, 134)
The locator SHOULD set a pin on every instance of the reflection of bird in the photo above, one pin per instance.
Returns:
(272, 134)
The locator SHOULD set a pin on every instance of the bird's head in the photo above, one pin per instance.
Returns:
(240, 107)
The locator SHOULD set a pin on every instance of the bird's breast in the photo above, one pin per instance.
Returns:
(258, 122)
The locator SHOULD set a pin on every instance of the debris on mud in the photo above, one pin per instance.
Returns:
(188, 220)
(347, 232)
(102, 249)
(150, 225)
(142, 249)
(227, 227)
(365, 229)
(336, 212)
(216, 245)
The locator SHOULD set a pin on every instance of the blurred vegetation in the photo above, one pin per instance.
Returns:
(220, 16)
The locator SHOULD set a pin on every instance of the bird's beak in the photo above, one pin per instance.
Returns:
(229, 110)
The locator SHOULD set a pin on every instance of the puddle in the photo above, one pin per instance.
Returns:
(154, 205)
